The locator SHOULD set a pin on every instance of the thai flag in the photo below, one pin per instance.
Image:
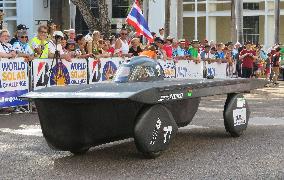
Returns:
(136, 19)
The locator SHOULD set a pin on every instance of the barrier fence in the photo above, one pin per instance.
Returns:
(18, 77)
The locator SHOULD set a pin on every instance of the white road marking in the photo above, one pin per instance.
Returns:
(27, 130)
(266, 121)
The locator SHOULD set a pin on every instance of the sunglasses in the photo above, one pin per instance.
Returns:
(24, 37)
(123, 33)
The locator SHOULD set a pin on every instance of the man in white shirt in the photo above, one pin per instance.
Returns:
(55, 45)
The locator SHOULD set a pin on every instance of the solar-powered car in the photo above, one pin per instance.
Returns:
(138, 103)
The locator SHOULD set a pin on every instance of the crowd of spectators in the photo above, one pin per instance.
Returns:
(247, 61)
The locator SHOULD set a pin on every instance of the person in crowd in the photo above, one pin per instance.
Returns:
(55, 49)
(82, 47)
(135, 48)
(150, 52)
(236, 52)
(39, 43)
(205, 55)
(261, 61)
(71, 48)
(154, 35)
(247, 56)
(161, 53)
(168, 48)
(94, 44)
(64, 43)
(72, 34)
(162, 33)
(104, 48)
(6, 49)
(20, 27)
(193, 51)
(212, 44)
(51, 28)
(121, 44)
(21, 46)
(181, 52)
(110, 45)
(276, 65)
(202, 45)
(220, 55)
(229, 60)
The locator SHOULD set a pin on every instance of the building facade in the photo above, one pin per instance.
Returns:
(202, 19)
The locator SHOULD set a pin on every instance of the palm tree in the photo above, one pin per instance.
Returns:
(277, 18)
(179, 19)
(233, 22)
(167, 17)
(102, 23)
(239, 20)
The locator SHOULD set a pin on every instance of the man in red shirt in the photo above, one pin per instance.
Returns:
(247, 56)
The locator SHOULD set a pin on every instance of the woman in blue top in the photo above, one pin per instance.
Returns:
(22, 47)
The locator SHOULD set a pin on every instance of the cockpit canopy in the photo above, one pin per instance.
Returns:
(139, 69)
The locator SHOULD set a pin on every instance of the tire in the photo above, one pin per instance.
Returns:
(154, 129)
(231, 105)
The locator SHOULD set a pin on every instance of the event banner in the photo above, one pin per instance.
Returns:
(188, 69)
(14, 82)
(169, 68)
(218, 70)
(103, 69)
(48, 72)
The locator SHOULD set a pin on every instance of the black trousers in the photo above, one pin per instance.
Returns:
(246, 72)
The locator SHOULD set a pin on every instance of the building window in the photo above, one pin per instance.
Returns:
(251, 28)
(251, 6)
(120, 8)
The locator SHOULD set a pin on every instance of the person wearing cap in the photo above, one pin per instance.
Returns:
(168, 48)
(39, 43)
(248, 57)
(22, 46)
(193, 51)
(55, 45)
(20, 27)
(6, 49)
(161, 53)
(72, 34)
(181, 52)
(162, 33)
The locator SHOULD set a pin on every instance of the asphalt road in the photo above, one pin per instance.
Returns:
(202, 150)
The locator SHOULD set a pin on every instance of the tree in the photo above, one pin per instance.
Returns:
(167, 17)
(179, 19)
(102, 23)
(277, 18)
(233, 22)
(239, 20)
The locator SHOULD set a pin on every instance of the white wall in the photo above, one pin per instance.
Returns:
(156, 15)
(30, 10)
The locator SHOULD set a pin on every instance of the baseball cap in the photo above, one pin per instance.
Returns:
(58, 33)
(194, 41)
(22, 27)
